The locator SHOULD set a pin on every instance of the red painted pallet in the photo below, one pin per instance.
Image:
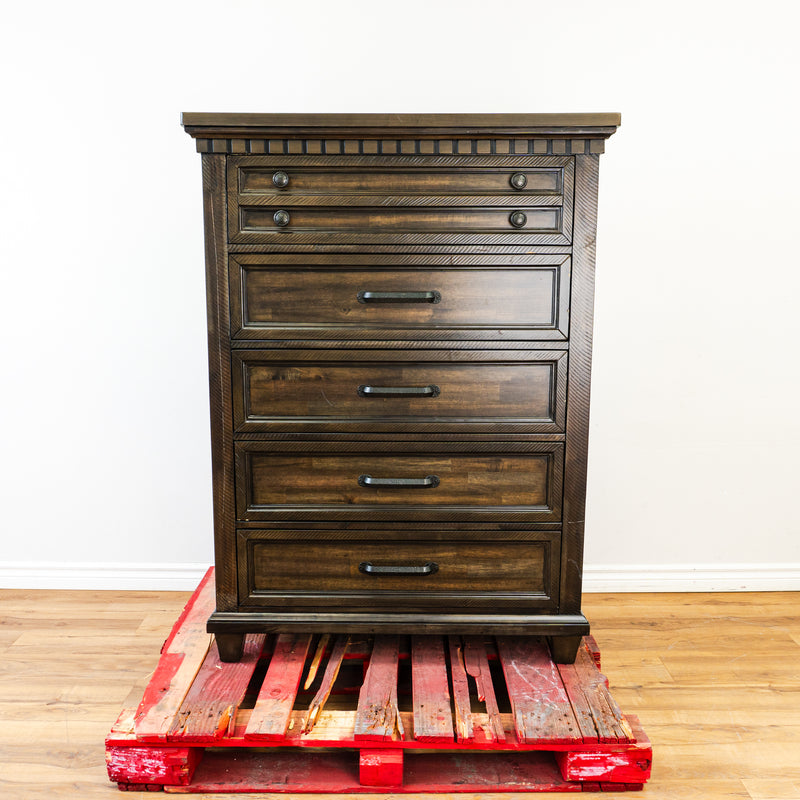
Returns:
(303, 713)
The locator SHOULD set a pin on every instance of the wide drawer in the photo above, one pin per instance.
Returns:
(399, 480)
(400, 199)
(301, 569)
(385, 390)
(390, 297)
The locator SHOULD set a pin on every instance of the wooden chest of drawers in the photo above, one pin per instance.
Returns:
(399, 316)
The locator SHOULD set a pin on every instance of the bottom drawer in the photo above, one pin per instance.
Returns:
(500, 570)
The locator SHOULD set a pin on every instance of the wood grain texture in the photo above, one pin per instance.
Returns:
(579, 381)
(515, 391)
(522, 481)
(219, 375)
(433, 721)
(181, 657)
(210, 705)
(378, 716)
(462, 711)
(271, 714)
(541, 707)
(315, 296)
(476, 664)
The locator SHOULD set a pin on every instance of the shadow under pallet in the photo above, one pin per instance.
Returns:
(325, 713)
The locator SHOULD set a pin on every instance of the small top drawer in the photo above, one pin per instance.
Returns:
(402, 199)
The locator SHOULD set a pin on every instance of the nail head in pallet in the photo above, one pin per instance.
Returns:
(526, 725)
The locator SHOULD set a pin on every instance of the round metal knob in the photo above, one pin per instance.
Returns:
(518, 219)
(519, 180)
(281, 218)
(280, 179)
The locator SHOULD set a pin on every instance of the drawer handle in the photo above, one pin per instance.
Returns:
(518, 219)
(280, 179)
(369, 568)
(399, 297)
(398, 391)
(281, 218)
(429, 482)
(519, 180)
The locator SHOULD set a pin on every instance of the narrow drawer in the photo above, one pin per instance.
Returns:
(298, 569)
(251, 177)
(369, 297)
(400, 199)
(439, 219)
(382, 390)
(399, 480)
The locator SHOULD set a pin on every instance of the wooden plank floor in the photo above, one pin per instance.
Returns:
(714, 678)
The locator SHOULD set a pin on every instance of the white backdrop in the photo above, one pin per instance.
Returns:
(105, 470)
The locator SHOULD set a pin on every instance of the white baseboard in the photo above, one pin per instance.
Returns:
(614, 578)
(691, 578)
(100, 576)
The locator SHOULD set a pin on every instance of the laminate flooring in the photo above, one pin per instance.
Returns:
(714, 678)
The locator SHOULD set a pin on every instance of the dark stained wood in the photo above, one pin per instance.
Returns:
(219, 375)
(270, 717)
(461, 567)
(433, 719)
(320, 182)
(433, 219)
(495, 338)
(515, 390)
(393, 122)
(539, 702)
(314, 296)
(576, 458)
(503, 485)
(377, 716)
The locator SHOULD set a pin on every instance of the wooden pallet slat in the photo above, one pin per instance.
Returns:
(269, 719)
(328, 679)
(477, 665)
(181, 658)
(458, 677)
(540, 705)
(598, 715)
(210, 705)
(378, 717)
(315, 662)
(433, 719)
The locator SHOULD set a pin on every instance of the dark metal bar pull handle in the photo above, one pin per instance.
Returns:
(371, 569)
(398, 391)
(429, 482)
(399, 297)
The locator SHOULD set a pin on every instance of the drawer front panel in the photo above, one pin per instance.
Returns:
(295, 569)
(386, 481)
(519, 390)
(370, 297)
(430, 219)
(303, 182)
(400, 200)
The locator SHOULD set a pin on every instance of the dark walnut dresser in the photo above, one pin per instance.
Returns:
(399, 329)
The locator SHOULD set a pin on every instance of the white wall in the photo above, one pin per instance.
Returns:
(105, 476)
